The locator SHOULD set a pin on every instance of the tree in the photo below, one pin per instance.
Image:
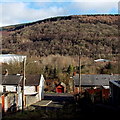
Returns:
(55, 72)
(70, 69)
(108, 66)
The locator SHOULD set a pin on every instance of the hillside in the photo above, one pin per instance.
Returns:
(93, 34)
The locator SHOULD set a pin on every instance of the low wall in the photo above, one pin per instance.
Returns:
(30, 99)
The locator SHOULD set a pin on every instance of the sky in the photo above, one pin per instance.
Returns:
(23, 11)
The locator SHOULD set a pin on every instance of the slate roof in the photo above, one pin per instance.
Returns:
(62, 84)
(31, 80)
(11, 79)
(116, 83)
(94, 80)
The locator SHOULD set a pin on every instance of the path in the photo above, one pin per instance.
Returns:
(53, 101)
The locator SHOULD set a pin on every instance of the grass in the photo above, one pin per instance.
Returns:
(26, 115)
(68, 112)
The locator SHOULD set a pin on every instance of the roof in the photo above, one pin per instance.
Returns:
(61, 84)
(116, 83)
(101, 60)
(94, 80)
(32, 80)
(10, 58)
(11, 79)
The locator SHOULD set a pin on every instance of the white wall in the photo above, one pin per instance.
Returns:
(1, 89)
(11, 88)
(6, 103)
(29, 89)
(41, 88)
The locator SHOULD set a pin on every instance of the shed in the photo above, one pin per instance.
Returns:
(61, 88)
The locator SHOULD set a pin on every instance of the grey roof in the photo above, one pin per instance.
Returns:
(11, 79)
(31, 80)
(61, 83)
(116, 83)
(94, 80)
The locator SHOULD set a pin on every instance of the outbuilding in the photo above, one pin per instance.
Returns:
(61, 88)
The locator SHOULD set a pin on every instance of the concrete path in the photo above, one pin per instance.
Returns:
(52, 101)
(39, 104)
(43, 103)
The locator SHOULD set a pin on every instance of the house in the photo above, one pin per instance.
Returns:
(93, 80)
(8, 89)
(12, 91)
(60, 88)
(115, 91)
(34, 89)
(97, 86)
(11, 83)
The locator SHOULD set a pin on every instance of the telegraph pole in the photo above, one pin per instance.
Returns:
(23, 84)
(80, 71)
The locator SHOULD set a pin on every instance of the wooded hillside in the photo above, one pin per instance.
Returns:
(52, 45)
(93, 34)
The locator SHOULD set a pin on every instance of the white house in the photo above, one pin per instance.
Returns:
(12, 90)
(34, 88)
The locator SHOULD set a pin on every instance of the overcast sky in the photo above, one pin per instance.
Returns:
(20, 11)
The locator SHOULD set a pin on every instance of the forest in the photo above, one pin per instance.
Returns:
(95, 34)
(53, 45)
